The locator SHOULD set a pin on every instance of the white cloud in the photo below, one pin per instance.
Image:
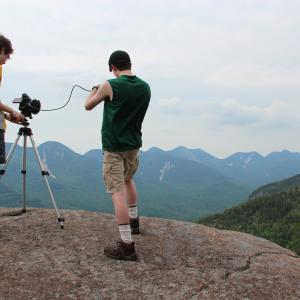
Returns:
(277, 114)
(250, 76)
(171, 105)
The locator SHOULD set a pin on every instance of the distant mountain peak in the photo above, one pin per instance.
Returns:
(154, 149)
(286, 151)
(180, 148)
(243, 159)
(55, 146)
(197, 155)
(183, 148)
(242, 155)
(284, 154)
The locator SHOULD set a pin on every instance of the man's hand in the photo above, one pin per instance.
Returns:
(96, 87)
(16, 117)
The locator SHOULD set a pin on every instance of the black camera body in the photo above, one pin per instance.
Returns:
(28, 106)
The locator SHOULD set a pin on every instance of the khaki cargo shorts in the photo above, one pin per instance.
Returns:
(119, 167)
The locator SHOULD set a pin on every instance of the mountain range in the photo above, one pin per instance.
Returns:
(182, 183)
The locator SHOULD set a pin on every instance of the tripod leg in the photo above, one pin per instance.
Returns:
(46, 173)
(10, 153)
(23, 171)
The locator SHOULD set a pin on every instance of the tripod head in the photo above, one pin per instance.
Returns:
(25, 123)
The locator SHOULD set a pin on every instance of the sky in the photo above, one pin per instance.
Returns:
(224, 75)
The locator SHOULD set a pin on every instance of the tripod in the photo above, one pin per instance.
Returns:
(27, 132)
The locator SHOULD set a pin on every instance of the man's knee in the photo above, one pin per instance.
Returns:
(118, 194)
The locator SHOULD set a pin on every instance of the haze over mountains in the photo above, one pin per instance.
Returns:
(179, 184)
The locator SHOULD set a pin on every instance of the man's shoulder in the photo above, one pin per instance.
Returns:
(125, 80)
(111, 79)
(143, 82)
(141, 79)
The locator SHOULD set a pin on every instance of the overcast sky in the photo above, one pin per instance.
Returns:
(225, 75)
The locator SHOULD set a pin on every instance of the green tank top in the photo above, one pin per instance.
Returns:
(124, 114)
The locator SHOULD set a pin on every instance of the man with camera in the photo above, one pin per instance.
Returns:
(6, 113)
(126, 99)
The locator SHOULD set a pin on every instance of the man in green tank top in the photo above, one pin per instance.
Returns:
(126, 99)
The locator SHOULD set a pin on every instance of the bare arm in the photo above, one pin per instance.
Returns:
(13, 116)
(98, 95)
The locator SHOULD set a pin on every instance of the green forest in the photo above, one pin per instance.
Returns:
(275, 217)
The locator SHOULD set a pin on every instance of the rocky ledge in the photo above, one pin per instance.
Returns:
(177, 260)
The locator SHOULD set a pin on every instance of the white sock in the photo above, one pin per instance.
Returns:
(125, 233)
(133, 211)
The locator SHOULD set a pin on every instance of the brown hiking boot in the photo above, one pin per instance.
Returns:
(135, 225)
(121, 250)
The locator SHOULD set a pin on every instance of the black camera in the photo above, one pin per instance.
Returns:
(28, 106)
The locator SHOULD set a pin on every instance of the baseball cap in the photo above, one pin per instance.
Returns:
(118, 57)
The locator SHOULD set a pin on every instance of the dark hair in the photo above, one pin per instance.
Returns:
(5, 44)
(121, 66)
(120, 59)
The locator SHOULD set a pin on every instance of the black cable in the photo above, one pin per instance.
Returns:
(68, 99)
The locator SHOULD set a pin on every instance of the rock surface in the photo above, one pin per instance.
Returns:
(177, 260)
